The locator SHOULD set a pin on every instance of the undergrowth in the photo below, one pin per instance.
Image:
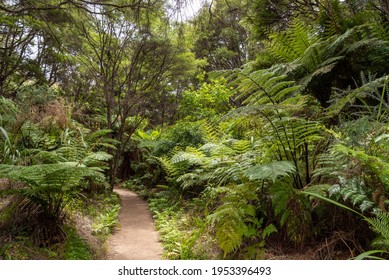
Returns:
(90, 220)
(184, 235)
(182, 228)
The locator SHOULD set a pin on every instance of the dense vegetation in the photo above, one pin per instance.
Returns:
(256, 129)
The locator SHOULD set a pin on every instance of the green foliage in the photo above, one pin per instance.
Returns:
(376, 165)
(271, 171)
(48, 184)
(236, 222)
(372, 94)
(46, 190)
(75, 247)
(106, 221)
(186, 134)
(292, 43)
(277, 103)
(380, 225)
(265, 87)
(316, 122)
(234, 219)
(182, 231)
(209, 100)
(353, 190)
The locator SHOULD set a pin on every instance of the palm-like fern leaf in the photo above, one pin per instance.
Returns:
(380, 225)
(270, 171)
(265, 87)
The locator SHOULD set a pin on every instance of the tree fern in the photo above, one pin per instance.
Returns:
(235, 219)
(292, 44)
(170, 169)
(48, 184)
(47, 188)
(265, 87)
(270, 171)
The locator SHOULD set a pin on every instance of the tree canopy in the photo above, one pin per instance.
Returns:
(263, 115)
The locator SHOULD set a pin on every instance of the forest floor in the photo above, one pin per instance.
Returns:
(135, 237)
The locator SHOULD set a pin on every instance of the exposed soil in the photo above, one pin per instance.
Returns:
(135, 237)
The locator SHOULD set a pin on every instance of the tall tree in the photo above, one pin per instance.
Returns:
(220, 37)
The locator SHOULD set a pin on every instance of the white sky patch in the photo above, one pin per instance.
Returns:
(184, 10)
(193, 7)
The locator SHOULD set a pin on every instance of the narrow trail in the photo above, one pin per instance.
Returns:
(135, 237)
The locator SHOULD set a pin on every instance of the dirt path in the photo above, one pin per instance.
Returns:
(136, 237)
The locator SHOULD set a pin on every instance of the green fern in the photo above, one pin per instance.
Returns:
(219, 150)
(293, 211)
(265, 87)
(291, 44)
(211, 131)
(376, 164)
(75, 247)
(96, 159)
(191, 156)
(242, 146)
(45, 191)
(329, 165)
(170, 169)
(39, 156)
(270, 171)
(380, 225)
(371, 88)
(235, 219)
(48, 184)
(8, 111)
(353, 190)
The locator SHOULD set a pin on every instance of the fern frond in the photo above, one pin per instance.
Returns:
(376, 164)
(168, 166)
(380, 225)
(211, 131)
(218, 150)
(291, 44)
(265, 87)
(44, 157)
(8, 111)
(188, 180)
(329, 165)
(352, 190)
(232, 221)
(72, 153)
(191, 156)
(49, 185)
(96, 159)
(270, 171)
(241, 146)
(371, 87)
